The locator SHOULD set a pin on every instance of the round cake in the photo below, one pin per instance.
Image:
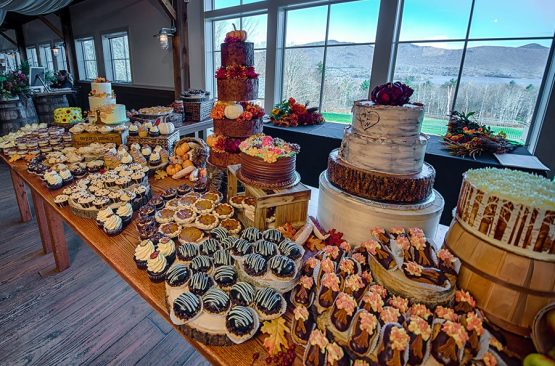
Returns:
(236, 128)
(237, 89)
(237, 53)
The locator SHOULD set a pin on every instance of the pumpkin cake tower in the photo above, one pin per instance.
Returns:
(235, 117)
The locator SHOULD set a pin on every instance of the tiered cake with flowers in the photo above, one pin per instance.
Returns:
(235, 116)
(103, 99)
(378, 176)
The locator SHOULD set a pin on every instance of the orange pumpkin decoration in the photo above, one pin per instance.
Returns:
(173, 168)
(187, 163)
(182, 149)
(240, 34)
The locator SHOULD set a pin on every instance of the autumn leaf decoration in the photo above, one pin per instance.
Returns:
(276, 340)
(315, 244)
(335, 238)
(160, 174)
(287, 230)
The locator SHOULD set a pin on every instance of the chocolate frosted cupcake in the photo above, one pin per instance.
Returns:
(225, 277)
(187, 252)
(199, 283)
(201, 263)
(269, 303)
(219, 233)
(290, 249)
(209, 247)
(178, 276)
(265, 248)
(255, 265)
(242, 247)
(251, 234)
(241, 323)
(215, 301)
(187, 306)
(282, 266)
(273, 235)
(242, 293)
(223, 258)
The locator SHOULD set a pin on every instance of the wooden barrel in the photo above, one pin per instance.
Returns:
(46, 104)
(509, 288)
(16, 113)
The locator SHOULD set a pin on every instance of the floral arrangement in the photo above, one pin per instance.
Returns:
(236, 72)
(222, 143)
(289, 113)
(467, 137)
(395, 93)
(100, 79)
(268, 148)
(250, 111)
(13, 83)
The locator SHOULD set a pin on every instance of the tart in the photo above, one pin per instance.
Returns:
(199, 283)
(203, 206)
(273, 235)
(265, 248)
(170, 229)
(189, 199)
(215, 301)
(242, 293)
(209, 247)
(190, 234)
(237, 201)
(201, 263)
(187, 306)
(173, 204)
(242, 247)
(233, 226)
(223, 258)
(251, 234)
(255, 265)
(183, 189)
(213, 196)
(178, 276)
(224, 211)
(165, 215)
(269, 303)
(249, 203)
(282, 266)
(225, 276)
(184, 216)
(241, 323)
(206, 221)
(169, 194)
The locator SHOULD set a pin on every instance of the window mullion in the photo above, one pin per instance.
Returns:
(463, 56)
(324, 59)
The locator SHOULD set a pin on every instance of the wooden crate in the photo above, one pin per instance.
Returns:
(197, 111)
(290, 204)
(166, 141)
(86, 138)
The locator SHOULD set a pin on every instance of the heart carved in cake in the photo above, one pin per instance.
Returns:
(369, 119)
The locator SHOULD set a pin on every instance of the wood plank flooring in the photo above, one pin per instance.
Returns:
(85, 315)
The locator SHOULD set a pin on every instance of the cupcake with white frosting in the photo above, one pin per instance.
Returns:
(53, 180)
(143, 252)
(125, 211)
(156, 267)
(113, 225)
(103, 215)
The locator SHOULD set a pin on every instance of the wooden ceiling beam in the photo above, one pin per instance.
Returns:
(8, 38)
(50, 25)
(169, 9)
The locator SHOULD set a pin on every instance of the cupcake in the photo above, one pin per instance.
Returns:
(125, 211)
(66, 176)
(101, 202)
(154, 159)
(419, 332)
(157, 265)
(154, 131)
(143, 252)
(178, 276)
(113, 225)
(251, 234)
(169, 194)
(209, 247)
(242, 247)
(219, 233)
(166, 247)
(157, 202)
(103, 215)
(265, 248)
(223, 258)
(201, 263)
(273, 235)
(199, 283)
(255, 265)
(61, 200)
(133, 130)
(242, 293)
(146, 151)
(303, 292)
(225, 277)
(329, 290)
(187, 306)
(241, 323)
(137, 177)
(282, 266)
(145, 223)
(53, 180)
(269, 304)
(215, 301)
(229, 242)
(187, 252)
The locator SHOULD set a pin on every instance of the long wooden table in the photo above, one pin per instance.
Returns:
(118, 252)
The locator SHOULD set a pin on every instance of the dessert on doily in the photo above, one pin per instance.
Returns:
(378, 176)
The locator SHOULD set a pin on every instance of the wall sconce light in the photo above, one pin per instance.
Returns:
(164, 37)
(55, 50)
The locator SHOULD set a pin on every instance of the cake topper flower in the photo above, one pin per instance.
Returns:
(413, 268)
(334, 352)
(327, 265)
(465, 296)
(306, 282)
(474, 323)
(446, 313)
(379, 289)
(395, 94)
(374, 300)
(399, 338)
(421, 311)
(354, 282)
(400, 303)
(446, 256)
(346, 265)
(389, 314)
(317, 338)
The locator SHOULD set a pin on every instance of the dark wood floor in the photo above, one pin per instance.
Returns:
(84, 315)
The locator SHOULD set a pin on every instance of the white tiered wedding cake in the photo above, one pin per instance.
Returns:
(378, 176)
(103, 99)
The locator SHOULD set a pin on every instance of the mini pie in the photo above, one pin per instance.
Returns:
(164, 215)
(213, 196)
(249, 202)
(187, 200)
(203, 206)
(237, 201)
(190, 234)
(170, 229)
(184, 216)
(233, 226)
(206, 221)
(173, 204)
(223, 210)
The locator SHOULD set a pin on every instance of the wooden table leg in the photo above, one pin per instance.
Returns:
(42, 221)
(21, 197)
(58, 240)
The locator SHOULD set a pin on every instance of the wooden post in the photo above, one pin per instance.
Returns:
(180, 44)
(21, 197)
(42, 221)
(58, 240)
(20, 40)
(69, 42)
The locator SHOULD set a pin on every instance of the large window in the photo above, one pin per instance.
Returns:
(328, 55)
(487, 56)
(86, 58)
(255, 26)
(46, 56)
(10, 59)
(61, 63)
(32, 57)
(116, 57)
(220, 4)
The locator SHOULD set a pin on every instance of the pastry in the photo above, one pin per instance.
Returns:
(213, 196)
(389, 314)
(189, 199)
(223, 258)
(166, 247)
(400, 303)
(157, 202)
(203, 206)
(290, 249)
(329, 290)
(201, 263)
(219, 233)
(255, 265)
(309, 266)
(336, 356)
(354, 285)
(419, 332)
(302, 324)
(273, 235)
(315, 352)
(464, 302)
(187, 252)
(61, 200)
(215, 301)
(199, 283)
(187, 306)
(223, 210)
(331, 252)
(421, 311)
(206, 221)
(164, 216)
(178, 276)
(380, 253)
(347, 266)
(365, 331)
(423, 251)
(229, 242)
(343, 311)
(169, 194)
(447, 262)
(184, 216)
(225, 277)
(393, 346)
(251, 234)
(242, 293)
(209, 247)
(183, 189)
(170, 229)
(475, 329)
(302, 293)
(372, 302)
(143, 252)
(448, 342)
(190, 234)
(156, 267)
(265, 248)
(428, 275)
(233, 226)
(269, 303)
(282, 266)
(241, 323)
(242, 247)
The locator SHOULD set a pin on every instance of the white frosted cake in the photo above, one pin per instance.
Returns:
(101, 94)
(111, 114)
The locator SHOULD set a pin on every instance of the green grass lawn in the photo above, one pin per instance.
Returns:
(433, 126)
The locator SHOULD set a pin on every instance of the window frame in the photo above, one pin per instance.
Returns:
(82, 61)
(43, 52)
(61, 58)
(34, 59)
(109, 59)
